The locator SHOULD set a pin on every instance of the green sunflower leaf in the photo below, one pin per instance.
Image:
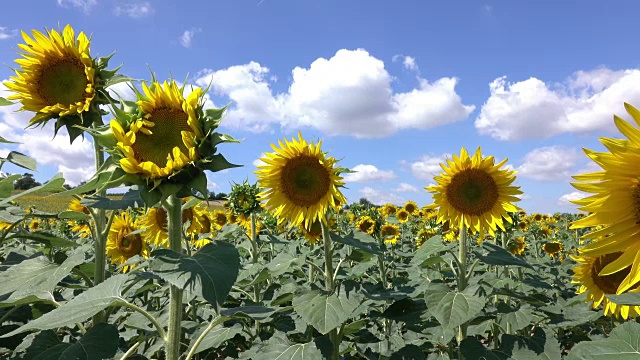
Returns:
(53, 185)
(325, 312)
(499, 256)
(209, 273)
(46, 238)
(36, 277)
(216, 337)
(359, 240)
(472, 348)
(5, 141)
(21, 160)
(81, 307)
(453, 308)
(100, 342)
(278, 347)
(622, 343)
(5, 102)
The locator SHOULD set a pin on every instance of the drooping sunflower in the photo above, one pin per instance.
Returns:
(553, 248)
(243, 198)
(387, 210)
(411, 207)
(402, 215)
(121, 246)
(614, 203)
(475, 192)
(312, 234)
(390, 233)
(301, 183)
(58, 79)
(517, 245)
(75, 205)
(155, 222)
(597, 286)
(366, 224)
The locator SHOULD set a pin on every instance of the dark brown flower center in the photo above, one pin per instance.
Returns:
(472, 192)
(608, 283)
(305, 181)
(129, 245)
(62, 81)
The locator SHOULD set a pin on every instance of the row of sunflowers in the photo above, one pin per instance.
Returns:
(288, 269)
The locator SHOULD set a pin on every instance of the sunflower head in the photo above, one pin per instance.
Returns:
(402, 215)
(589, 275)
(219, 219)
(34, 225)
(387, 210)
(424, 235)
(475, 192)
(411, 207)
(301, 183)
(58, 79)
(390, 233)
(366, 224)
(552, 248)
(123, 243)
(243, 198)
(162, 143)
(516, 245)
(75, 205)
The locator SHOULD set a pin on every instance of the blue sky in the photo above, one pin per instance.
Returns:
(391, 87)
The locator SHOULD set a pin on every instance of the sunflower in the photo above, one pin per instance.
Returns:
(390, 233)
(352, 217)
(475, 192)
(597, 286)
(59, 79)
(301, 182)
(75, 205)
(517, 245)
(81, 229)
(452, 235)
(523, 225)
(4, 225)
(552, 248)
(205, 220)
(192, 217)
(546, 231)
(219, 219)
(312, 234)
(424, 235)
(34, 225)
(121, 246)
(615, 202)
(155, 222)
(366, 224)
(402, 215)
(387, 210)
(231, 217)
(411, 207)
(536, 217)
(243, 198)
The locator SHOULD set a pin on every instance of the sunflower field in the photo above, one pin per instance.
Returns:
(288, 269)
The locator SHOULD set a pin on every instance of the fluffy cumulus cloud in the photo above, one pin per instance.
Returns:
(134, 10)
(381, 197)
(84, 5)
(187, 37)
(549, 163)
(75, 160)
(535, 109)
(6, 33)
(565, 200)
(408, 62)
(368, 173)
(427, 167)
(404, 187)
(348, 94)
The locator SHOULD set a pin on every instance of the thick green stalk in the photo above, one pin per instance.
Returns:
(254, 259)
(172, 346)
(100, 238)
(329, 284)
(462, 275)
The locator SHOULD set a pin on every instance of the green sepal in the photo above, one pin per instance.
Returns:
(5, 102)
(216, 163)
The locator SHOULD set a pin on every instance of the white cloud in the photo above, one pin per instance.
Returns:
(134, 10)
(404, 187)
(548, 163)
(211, 185)
(6, 33)
(76, 175)
(257, 162)
(123, 90)
(409, 62)
(428, 167)
(85, 5)
(4, 152)
(565, 200)
(381, 197)
(367, 173)
(348, 94)
(532, 108)
(187, 37)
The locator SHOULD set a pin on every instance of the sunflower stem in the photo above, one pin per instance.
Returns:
(172, 345)
(254, 259)
(330, 284)
(100, 233)
(462, 276)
